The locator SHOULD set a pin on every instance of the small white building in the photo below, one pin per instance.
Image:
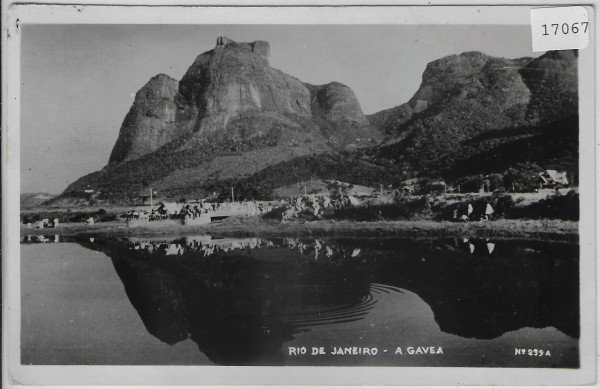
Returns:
(550, 178)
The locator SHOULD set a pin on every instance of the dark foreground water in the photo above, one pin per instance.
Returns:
(391, 302)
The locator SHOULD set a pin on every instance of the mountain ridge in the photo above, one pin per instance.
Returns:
(232, 119)
(486, 94)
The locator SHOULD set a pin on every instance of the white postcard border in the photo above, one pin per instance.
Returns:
(216, 375)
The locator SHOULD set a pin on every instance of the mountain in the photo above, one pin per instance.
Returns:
(32, 200)
(231, 92)
(469, 104)
(150, 123)
(233, 121)
(472, 115)
(230, 115)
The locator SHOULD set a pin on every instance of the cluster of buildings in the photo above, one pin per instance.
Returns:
(317, 203)
(545, 179)
(203, 212)
(196, 213)
(45, 223)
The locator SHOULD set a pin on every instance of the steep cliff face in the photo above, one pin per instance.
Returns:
(231, 91)
(341, 119)
(232, 107)
(150, 122)
(234, 79)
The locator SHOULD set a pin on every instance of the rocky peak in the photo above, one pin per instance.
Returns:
(511, 91)
(159, 86)
(224, 41)
(232, 91)
(233, 79)
(341, 118)
(470, 97)
(471, 75)
(458, 65)
(259, 47)
(150, 123)
(336, 101)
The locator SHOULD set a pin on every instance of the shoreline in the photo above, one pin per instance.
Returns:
(248, 227)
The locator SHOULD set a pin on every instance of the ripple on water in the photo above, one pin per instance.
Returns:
(343, 313)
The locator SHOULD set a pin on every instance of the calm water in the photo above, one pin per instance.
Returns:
(198, 300)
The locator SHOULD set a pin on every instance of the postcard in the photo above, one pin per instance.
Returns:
(299, 195)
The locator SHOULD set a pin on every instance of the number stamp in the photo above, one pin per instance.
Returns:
(533, 352)
(559, 28)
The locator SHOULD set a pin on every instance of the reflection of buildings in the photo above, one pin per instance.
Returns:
(207, 246)
(203, 244)
(40, 238)
(483, 246)
(241, 299)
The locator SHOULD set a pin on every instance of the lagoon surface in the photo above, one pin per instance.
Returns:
(201, 300)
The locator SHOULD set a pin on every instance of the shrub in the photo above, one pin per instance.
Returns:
(522, 178)
(470, 184)
(275, 213)
(401, 209)
(503, 204)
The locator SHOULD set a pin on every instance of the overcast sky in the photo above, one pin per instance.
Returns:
(78, 81)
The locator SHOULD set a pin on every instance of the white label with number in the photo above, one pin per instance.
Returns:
(559, 28)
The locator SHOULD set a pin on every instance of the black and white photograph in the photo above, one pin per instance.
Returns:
(400, 194)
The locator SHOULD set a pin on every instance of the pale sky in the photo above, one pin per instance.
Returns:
(78, 81)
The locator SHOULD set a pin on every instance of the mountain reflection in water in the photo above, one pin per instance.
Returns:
(241, 299)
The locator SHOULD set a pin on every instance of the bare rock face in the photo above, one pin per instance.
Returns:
(229, 105)
(233, 80)
(336, 101)
(150, 122)
(338, 110)
(231, 91)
